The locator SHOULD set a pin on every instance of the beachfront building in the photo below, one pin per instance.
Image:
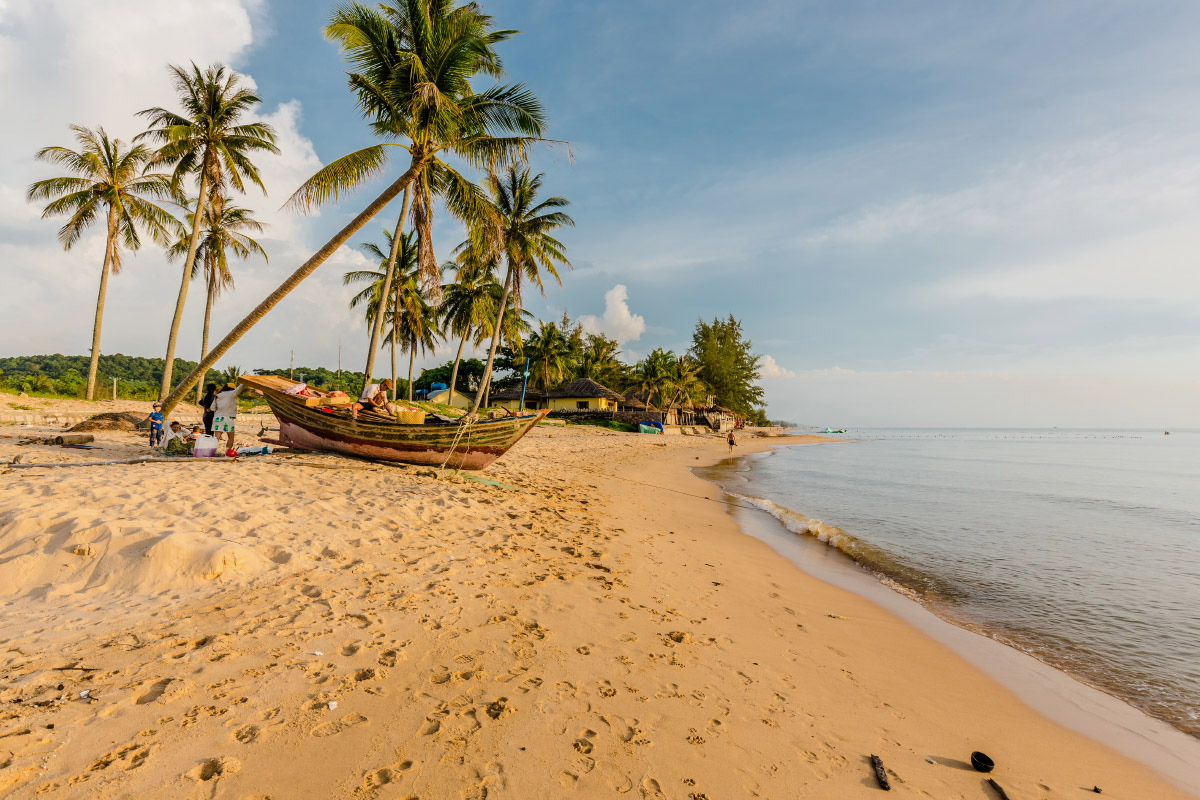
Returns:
(583, 394)
(511, 396)
(457, 400)
(633, 400)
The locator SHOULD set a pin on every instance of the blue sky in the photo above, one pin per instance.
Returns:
(924, 213)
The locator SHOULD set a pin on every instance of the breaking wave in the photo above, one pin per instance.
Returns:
(883, 565)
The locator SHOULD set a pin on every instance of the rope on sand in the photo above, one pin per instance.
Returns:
(141, 460)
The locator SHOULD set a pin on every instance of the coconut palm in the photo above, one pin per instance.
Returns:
(468, 302)
(410, 57)
(209, 142)
(549, 355)
(599, 361)
(406, 262)
(107, 177)
(655, 376)
(414, 322)
(521, 234)
(222, 234)
(413, 64)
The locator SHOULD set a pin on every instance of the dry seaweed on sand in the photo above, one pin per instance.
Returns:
(111, 421)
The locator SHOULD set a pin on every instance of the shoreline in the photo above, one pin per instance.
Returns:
(308, 627)
(1054, 693)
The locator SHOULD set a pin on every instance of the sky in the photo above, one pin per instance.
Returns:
(923, 213)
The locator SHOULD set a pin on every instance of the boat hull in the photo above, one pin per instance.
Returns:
(481, 444)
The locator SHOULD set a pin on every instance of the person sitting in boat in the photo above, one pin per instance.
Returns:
(374, 398)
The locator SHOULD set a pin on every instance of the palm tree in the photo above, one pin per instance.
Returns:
(221, 234)
(429, 109)
(654, 376)
(522, 235)
(549, 355)
(599, 360)
(106, 177)
(369, 297)
(414, 322)
(468, 303)
(411, 56)
(208, 140)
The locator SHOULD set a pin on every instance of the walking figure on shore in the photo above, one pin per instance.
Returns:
(732, 441)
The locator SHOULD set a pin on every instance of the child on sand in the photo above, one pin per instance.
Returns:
(156, 426)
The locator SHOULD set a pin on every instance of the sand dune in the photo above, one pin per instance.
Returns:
(313, 627)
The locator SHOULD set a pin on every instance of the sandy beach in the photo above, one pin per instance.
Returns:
(306, 626)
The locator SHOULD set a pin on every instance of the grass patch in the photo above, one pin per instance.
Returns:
(23, 408)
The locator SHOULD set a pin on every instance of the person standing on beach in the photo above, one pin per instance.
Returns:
(206, 403)
(156, 426)
(732, 441)
(225, 412)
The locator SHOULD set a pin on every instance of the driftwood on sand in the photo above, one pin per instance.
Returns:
(1003, 795)
(880, 773)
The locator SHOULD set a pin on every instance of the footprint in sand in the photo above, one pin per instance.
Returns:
(336, 726)
(584, 743)
(246, 734)
(386, 775)
(651, 790)
(213, 768)
(156, 690)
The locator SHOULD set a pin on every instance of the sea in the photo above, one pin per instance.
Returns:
(1078, 547)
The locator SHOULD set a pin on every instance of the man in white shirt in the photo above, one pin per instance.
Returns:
(374, 397)
(225, 418)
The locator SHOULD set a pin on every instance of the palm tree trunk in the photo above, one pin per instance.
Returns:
(454, 371)
(208, 304)
(487, 370)
(307, 268)
(377, 323)
(394, 390)
(109, 246)
(188, 263)
(412, 353)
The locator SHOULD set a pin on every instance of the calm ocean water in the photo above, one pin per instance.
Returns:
(1081, 548)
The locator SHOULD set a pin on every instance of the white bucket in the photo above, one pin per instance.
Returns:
(205, 447)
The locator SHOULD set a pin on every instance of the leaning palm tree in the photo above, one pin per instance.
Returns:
(414, 322)
(209, 142)
(522, 235)
(108, 178)
(222, 234)
(406, 262)
(418, 98)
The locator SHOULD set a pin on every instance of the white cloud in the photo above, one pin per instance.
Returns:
(618, 321)
(103, 75)
(770, 369)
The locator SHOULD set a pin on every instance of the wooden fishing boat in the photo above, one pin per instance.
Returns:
(327, 424)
